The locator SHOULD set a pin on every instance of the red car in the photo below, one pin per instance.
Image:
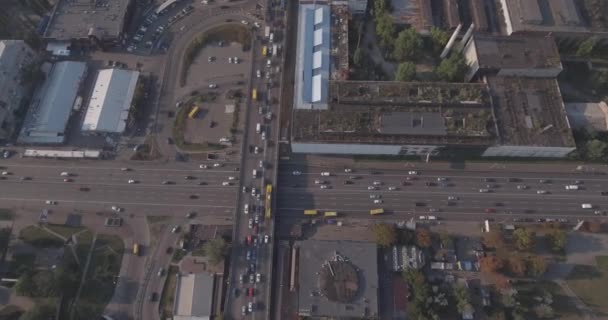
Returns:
(248, 239)
(250, 292)
(255, 229)
(490, 210)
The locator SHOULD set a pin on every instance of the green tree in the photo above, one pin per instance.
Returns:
(517, 265)
(586, 47)
(596, 150)
(599, 81)
(408, 45)
(446, 240)
(406, 71)
(537, 266)
(39, 312)
(439, 38)
(358, 57)
(524, 239)
(461, 295)
(385, 234)
(557, 239)
(216, 250)
(380, 8)
(25, 285)
(493, 239)
(424, 238)
(453, 68)
(544, 311)
(385, 29)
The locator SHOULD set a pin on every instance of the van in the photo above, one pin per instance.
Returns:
(586, 206)
(258, 128)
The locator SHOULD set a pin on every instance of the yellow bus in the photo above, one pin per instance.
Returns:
(268, 201)
(331, 214)
(310, 212)
(193, 113)
(374, 212)
(264, 51)
(136, 249)
(254, 94)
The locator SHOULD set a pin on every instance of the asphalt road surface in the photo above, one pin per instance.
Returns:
(448, 195)
(97, 186)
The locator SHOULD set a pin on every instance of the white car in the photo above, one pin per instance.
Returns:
(258, 278)
(254, 191)
(586, 206)
(266, 238)
(452, 198)
(246, 208)
(413, 173)
(522, 187)
(116, 208)
(217, 165)
(231, 178)
(229, 59)
(236, 60)
(256, 24)
(324, 186)
(541, 191)
(256, 150)
(375, 196)
(131, 181)
(319, 182)
(212, 86)
(250, 306)
(572, 187)
(65, 174)
(50, 202)
(226, 183)
(392, 188)
(325, 174)
(5, 173)
(484, 190)
(244, 22)
(258, 73)
(377, 201)
(203, 166)
(296, 173)
(372, 188)
(250, 224)
(377, 183)
(347, 170)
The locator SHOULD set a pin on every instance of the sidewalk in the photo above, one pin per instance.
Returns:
(489, 166)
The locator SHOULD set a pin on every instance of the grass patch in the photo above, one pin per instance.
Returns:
(6, 214)
(178, 255)
(156, 219)
(115, 243)
(562, 304)
(179, 128)
(83, 245)
(591, 284)
(64, 230)
(168, 296)
(198, 252)
(39, 237)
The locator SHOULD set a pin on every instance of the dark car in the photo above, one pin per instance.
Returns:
(84, 189)
(202, 183)
(348, 182)
(169, 250)
(193, 196)
(430, 184)
(169, 140)
(604, 193)
(189, 177)
(153, 296)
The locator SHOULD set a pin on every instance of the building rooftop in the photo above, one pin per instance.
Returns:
(554, 16)
(588, 115)
(52, 105)
(111, 100)
(79, 19)
(338, 279)
(399, 113)
(312, 57)
(530, 112)
(339, 66)
(194, 296)
(516, 52)
(416, 13)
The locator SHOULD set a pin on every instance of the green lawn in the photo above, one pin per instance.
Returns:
(64, 230)
(168, 295)
(590, 283)
(6, 214)
(39, 237)
(113, 242)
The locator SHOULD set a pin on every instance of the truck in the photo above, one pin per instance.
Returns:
(275, 51)
(254, 94)
(267, 31)
(271, 37)
(331, 214)
(264, 51)
(374, 212)
(310, 212)
(258, 128)
(254, 173)
(136, 249)
(193, 113)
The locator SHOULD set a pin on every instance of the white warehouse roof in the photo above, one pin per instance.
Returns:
(194, 297)
(111, 100)
(52, 104)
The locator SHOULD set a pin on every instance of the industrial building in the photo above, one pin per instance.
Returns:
(558, 17)
(531, 118)
(194, 297)
(337, 279)
(109, 105)
(85, 22)
(416, 13)
(15, 57)
(396, 118)
(512, 56)
(53, 103)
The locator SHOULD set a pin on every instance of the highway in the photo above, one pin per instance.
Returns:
(449, 195)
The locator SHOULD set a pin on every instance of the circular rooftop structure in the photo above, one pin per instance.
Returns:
(339, 281)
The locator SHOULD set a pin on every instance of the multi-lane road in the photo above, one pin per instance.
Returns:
(448, 195)
(94, 186)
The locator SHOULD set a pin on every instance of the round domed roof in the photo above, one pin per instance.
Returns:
(339, 281)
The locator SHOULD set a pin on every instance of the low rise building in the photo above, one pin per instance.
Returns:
(514, 56)
(337, 279)
(194, 297)
(110, 102)
(415, 13)
(86, 23)
(53, 104)
(588, 115)
(15, 57)
(531, 118)
(407, 257)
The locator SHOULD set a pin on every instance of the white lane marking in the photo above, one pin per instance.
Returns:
(116, 202)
